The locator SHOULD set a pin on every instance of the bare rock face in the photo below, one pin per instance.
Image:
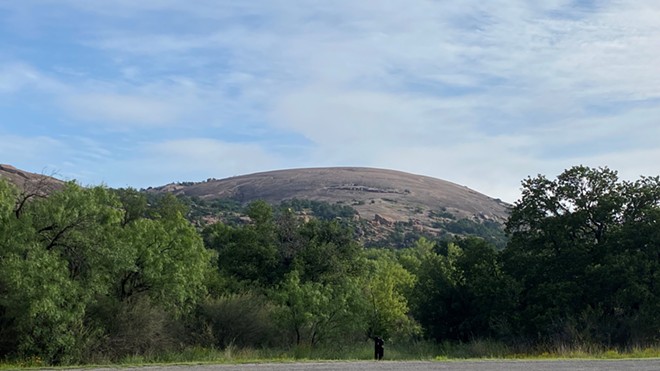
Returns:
(29, 182)
(381, 196)
(8, 169)
(383, 220)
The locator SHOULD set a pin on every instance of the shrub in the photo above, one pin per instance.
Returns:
(238, 320)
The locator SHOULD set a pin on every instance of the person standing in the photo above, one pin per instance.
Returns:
(379, 350)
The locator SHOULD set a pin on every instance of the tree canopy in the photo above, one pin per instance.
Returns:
(92, 272)
(585, 249)
(64, 254)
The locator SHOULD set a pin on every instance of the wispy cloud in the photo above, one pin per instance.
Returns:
(122, 110)
(30, 148)
(479, 92)
(157, 163)
(15, 77)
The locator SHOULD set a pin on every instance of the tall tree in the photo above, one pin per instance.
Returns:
(386, 289)
(58, 254)
(576, 249)
(247, 255)
(461, 292)
(315, 312)
(64, 254)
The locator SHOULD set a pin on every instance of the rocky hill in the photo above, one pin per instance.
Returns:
(384, 207)
(391, 207)
(29, 182)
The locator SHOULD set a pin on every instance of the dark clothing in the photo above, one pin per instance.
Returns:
(379, 349)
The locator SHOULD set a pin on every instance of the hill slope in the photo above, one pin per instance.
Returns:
(385, 200)
(385, 207)
(29, 182)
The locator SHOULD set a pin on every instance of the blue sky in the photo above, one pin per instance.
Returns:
(481, 93)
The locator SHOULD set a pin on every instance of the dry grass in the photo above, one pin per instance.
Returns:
(482, 349)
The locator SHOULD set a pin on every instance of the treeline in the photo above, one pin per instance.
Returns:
(96, 274)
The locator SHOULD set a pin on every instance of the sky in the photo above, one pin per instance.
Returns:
(480, 93)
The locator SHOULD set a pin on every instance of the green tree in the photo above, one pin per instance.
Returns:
(462, 293)
(56, 257)
(261, 253)
(431, 297)
(247, 255)
(166, 258)
(65, 255)
(134, 203)
(487, 295)
(314, 312)
(584, 249)
(329, 252)
(387, 284)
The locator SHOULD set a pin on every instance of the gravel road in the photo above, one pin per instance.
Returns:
(561, 365)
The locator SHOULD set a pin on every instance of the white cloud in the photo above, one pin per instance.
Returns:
(482, 93)
(369, 118)
(122, 110)
(65, 157)
(158, 163)
(19, 76)
(155, 44)
(18, 149)
(629, 164)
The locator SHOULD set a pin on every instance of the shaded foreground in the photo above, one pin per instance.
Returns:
(586, 365)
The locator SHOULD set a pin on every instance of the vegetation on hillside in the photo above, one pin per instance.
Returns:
(91, 274)
(400, 235)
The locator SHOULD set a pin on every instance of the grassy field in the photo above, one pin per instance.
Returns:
(364, 351)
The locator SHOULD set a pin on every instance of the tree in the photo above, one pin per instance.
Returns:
(315, 312)
(65, 255)
(386, 287)
(247, 255)
(430, 299)
(584, 249)
(261, 253)
(134, 203)
(56, 257)
(488, 296)
(329, 252)
(164, 257)
(461, 292)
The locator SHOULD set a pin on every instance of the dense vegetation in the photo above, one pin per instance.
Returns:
(400, 235)
(89, 274)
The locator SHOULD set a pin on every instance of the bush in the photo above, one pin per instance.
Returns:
(132, 327)
(242, 320)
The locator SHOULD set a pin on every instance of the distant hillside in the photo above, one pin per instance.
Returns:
(390, 207)
(384, 207)
(28, 181)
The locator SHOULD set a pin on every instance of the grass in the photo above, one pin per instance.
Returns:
(497, 350)
(411, 351)
(482, 349)
(600, 352)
